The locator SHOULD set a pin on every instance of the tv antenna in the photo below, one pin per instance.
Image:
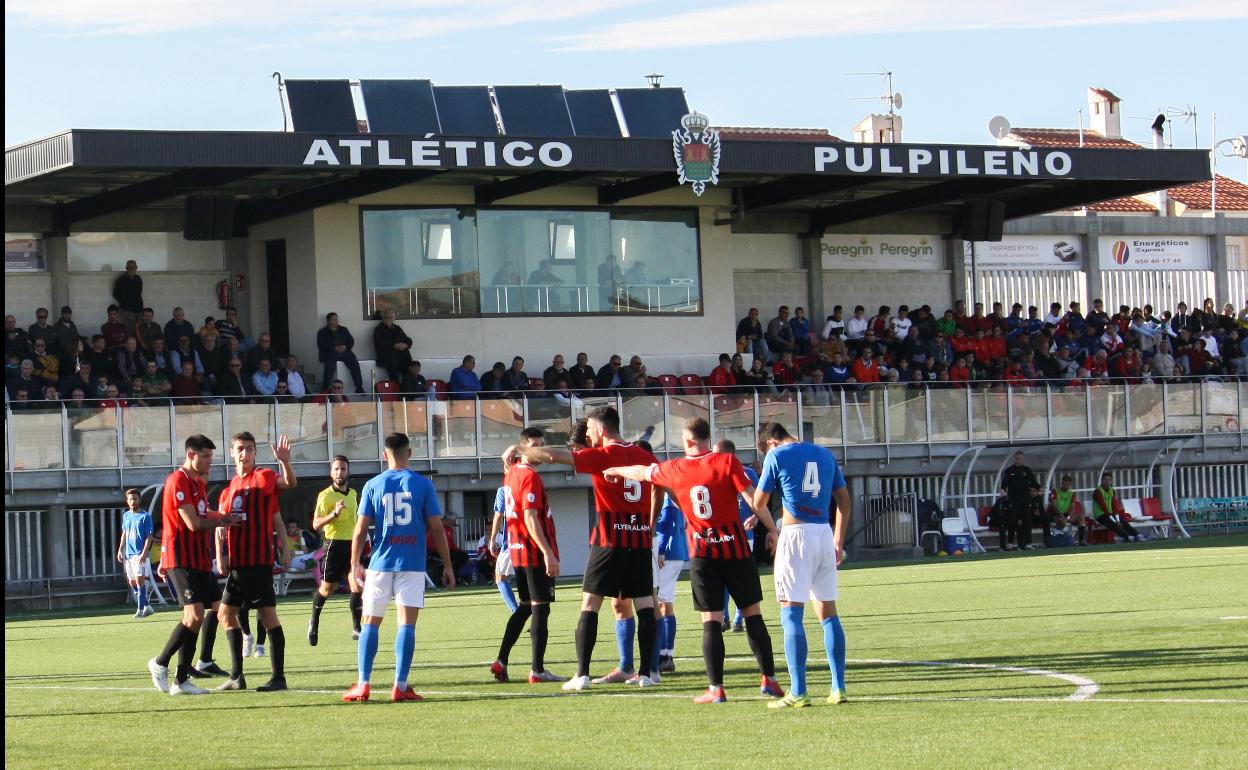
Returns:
(999, 127)
(1187, 113)
(890, 97)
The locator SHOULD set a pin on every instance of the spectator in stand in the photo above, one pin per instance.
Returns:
(232, 384)
(24, 379)
(641, 386)
(129, 363)
(995, 344)
(146, 330)
(856, 327)
(234, 352)
(337, 393)
(1110, 341)
(228, 328)
(1015, 324)
(1073, 323)
(335, 345)
(940, 351)
(1122, 319)
(393, 346)
(555, 372)
(721, 378)
(911, 348)
(973, 323)
(1183, 320)
(608, 377)
(758, 377)
(1207, 314)
(413, 383)
(1228, 320)
(1054, 317)
(178, 327)
(1108, 511)
(100, 388)
(1211, 343)
(925, 322)
(289, 374)
(878, 323)
(42, 330)
(834, 324)
(865, 369)
(1090, 343)
(581, 372)
(463, 382)
(1097, 318)
(785, 372)
(739, 372)
(1199, 362)
(264, 380)
(751, 330)
(947, 325)
(492, 381)
(1162, 364)
(161, 357)
(837, 372)
(831, 346)
(877, 348)
(47, 366)
(901, 324)
(1047, 365)
(65, 331)
(817, 392)
(590, 387)
(20, 399)
(112, 398)
(114, 331)
(628, 374)
(209, 329)
(77, 379)
(128, 293)
(779, 333)
(1129, 365)
(282, 396)
(799, 325)
(1097, 366)
(187, 384)
(515, 380)
(263, 351)
(186, 352)
(960, 372)
(49, 399)
(155, 385)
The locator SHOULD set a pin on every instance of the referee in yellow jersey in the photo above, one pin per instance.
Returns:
(334, 518)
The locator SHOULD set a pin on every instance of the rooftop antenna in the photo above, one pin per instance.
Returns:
(999, 127)
(655, 79)
(891, 98)
(1188, 113)
(281, 85)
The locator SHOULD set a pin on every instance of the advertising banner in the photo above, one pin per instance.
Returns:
(1028, 252)
(883, 252)
(1178, 252)
(23, 253)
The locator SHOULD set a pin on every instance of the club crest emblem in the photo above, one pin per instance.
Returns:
(697, 148)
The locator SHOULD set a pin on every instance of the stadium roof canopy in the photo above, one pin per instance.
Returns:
(63, 180)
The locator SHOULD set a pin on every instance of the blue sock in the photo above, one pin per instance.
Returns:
(794, 647)
(669, 634)
(367, 650)
(834, 643)
(140, 597)
(509, 598)
(625, 631)
(404, 646)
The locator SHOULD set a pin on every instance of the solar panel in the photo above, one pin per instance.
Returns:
(593, 114)
(652, 113)
(400, 106)
(465, 110)
(533, 110)
(322, 106)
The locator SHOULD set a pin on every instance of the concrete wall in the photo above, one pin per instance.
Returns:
(23, 292)
(90, 294)
(872, 289)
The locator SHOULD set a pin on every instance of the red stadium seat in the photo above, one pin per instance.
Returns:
(669, 383)
(387, 390)
(1151, 507)
(983, 513)
(439, 388)
(691, 385)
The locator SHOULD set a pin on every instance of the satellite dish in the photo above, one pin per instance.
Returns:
(999, 127)
(896, 101)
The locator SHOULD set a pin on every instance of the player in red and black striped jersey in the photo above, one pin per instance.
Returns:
(186, 561)
(535, 556)
(707, 486)
(620, 558)
(249, 551)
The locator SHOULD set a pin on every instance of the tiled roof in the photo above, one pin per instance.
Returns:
(1124, 206)
(1232, 195)
(762, 134)
(1069, 137)
(1105, 93)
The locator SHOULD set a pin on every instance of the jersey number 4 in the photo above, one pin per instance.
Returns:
(398, 507)
(810, 480)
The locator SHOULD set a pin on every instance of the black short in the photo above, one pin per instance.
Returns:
(709, 578)
(619, 572)
(335, 561)
(250, 586)
(533, 584)
(194, 586)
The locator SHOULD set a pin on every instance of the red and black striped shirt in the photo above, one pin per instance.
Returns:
(250, 542)
(623, 505)
(706, 487)
(525, 490)
(180, 546)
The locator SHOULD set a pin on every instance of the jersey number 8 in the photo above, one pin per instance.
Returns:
(701, 498)
(398, 508)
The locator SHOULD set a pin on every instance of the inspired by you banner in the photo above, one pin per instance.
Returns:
(1028, 252)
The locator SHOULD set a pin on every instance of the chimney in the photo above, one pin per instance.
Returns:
(878, 129)
(1105, 110)
(1159, 143)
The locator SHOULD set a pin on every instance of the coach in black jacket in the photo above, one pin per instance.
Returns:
(1019, 485)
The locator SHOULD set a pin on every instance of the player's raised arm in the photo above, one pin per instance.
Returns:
(634, 472)
(537, 455)
(282, 451)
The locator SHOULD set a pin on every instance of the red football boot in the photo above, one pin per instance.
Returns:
(397, 695)
(358, 693)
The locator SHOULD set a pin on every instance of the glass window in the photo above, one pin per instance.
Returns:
(108, 252)
(420, 262)
(656, 255)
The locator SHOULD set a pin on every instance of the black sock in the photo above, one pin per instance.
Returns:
(515, 626)
(244, 621)
(234, 637)
(208, 635)
(277, 652)
(760, 644)
(1083, 534)
(173, 645)
(539, 633)
(186, 653)
(586, 635)
(357, 610)
(262, 633)
(713, 651)
(318, 604)
(647, 628)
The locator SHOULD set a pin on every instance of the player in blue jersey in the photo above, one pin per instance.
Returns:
(673, 551)
(497, 545)
(747, 518)
(400, 504)
(810, 483)
(132, 550)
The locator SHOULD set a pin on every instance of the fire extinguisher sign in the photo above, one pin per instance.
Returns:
(240, 281)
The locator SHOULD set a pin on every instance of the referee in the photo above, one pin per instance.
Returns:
(334, 518)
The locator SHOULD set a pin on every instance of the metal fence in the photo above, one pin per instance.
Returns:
(93, 534)
(23, 545)
(889, 520)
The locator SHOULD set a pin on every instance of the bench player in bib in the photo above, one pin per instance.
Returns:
(707, 485)
(621, 560)
(810, 483)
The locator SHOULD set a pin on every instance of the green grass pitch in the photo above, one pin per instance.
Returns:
(1151, 643)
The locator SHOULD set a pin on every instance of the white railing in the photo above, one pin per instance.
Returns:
(93, 534)
(23, 545)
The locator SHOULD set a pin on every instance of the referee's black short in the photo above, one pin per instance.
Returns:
(250, 586)
(335, 561)
(194, 586)
(626, 573)
(533, 584)
(709, 578)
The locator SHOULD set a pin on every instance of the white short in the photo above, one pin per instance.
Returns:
(134, 567)
(669, 573)
(406, 588)
(806, 563)
(502, 565)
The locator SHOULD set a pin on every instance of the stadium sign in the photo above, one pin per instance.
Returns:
(918, 160)
(1126, 252)
(431, 152)
(1027, 252)
(697, 148)
(883, 252)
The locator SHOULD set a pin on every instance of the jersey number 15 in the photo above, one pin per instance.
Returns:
(398, 508)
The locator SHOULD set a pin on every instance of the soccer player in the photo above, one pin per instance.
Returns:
(706, 485)
(503, 569)
(669, 537)
(746, 513)
(132, 550)
(248, 556)
(535, 556)
(402, 504)
(334, 518)
(809, 551)
(620, 555)
(185, 557)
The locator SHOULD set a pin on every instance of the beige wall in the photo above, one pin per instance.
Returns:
(23, 292)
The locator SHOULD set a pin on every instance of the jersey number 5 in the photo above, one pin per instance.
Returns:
(632, 490)
(398, 508)
(810, 480)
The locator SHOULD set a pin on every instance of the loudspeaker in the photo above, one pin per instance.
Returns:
(208, 218)
(983, 219)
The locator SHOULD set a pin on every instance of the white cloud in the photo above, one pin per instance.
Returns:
(792, 19)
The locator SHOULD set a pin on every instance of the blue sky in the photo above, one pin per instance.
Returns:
(184, 64)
